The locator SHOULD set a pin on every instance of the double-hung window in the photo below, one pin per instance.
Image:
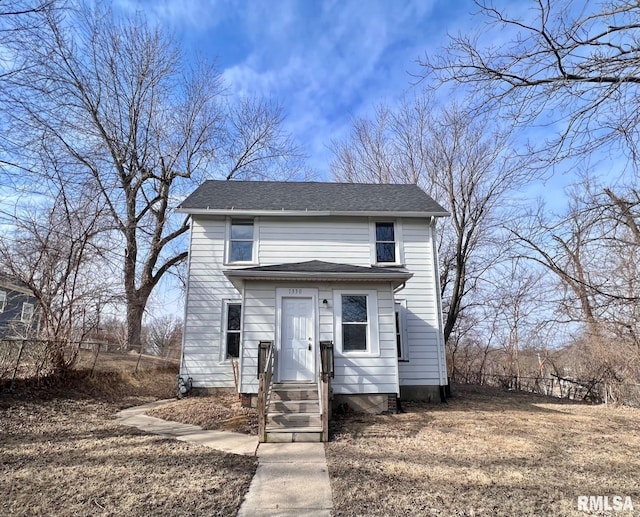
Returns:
(27, 312)
(241, 241)
(385, 242)
(232, 330)
(3, 300)
(354, 323)
(401, 326)
(356, 318)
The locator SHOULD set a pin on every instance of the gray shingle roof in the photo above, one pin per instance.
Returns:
(219, 196)
(319, 270)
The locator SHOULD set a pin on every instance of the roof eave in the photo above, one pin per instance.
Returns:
(376, 277)
(309, 213)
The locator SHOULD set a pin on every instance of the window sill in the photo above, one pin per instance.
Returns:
(356, 355)
(388, 264)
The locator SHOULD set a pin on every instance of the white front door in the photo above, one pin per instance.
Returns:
(297, 340)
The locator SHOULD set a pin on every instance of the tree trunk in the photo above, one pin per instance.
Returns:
(135, 311)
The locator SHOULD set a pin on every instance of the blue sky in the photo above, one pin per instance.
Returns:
(325, 62)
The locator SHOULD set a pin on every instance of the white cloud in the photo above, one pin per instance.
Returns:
(328, 64)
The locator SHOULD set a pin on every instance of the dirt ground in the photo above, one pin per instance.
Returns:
(121, 361)
(220, 412)
(62, 454)
(485, 454)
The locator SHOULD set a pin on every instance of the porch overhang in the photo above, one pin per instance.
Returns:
(318, 271)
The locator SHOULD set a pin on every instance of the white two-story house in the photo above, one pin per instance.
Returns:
(297, 264)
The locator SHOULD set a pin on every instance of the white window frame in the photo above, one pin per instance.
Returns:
(400, 308)
(225, 331)
(397, 234)
(254, 248)
(32, 309)
(3, 301)
(373, 343)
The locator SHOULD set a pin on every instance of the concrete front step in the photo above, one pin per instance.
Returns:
(294, 392)
(295, 385)
(294, 406)
(288, 420)
(303, 434)
(294, 413)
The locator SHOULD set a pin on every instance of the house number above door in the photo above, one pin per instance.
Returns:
(295, 291)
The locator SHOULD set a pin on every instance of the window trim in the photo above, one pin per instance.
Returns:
(24, 306)
(255, 242)
(400, 308)
(397, 234)
(224, 357)
(3, 300)
(373, 343)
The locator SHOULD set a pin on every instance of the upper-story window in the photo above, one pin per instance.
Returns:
(241, 240)
(27, 312)
(3, 300)
(385, 242)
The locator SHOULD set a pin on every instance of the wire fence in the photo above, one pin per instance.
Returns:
(590, 390)
(37, 358)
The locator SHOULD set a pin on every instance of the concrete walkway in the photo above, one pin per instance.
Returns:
(292, 479)
(226, 441)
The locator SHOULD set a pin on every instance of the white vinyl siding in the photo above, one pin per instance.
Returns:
(345, 240)
(377, 372)
(363, 374)
(208, 288)
(425, 350)
(330, 239)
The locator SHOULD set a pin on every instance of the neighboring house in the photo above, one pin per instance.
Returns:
(297, 264)
(18, 314)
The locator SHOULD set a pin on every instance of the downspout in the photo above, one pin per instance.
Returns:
(436, 269)
(184, 379)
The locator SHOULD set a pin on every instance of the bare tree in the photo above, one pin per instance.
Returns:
(164, 334)
(594, 258)
(463, 163)
(55, 251)
(120, 109)
(19, 16)
(571, 65)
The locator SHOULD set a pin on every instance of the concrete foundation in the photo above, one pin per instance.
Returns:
(373, 403)
(203, 392)
(423, 393)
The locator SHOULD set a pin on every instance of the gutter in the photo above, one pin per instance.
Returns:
(243, 212)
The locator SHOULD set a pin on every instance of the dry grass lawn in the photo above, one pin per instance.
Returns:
(485, 454)
(217, 412)
(63, 455)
